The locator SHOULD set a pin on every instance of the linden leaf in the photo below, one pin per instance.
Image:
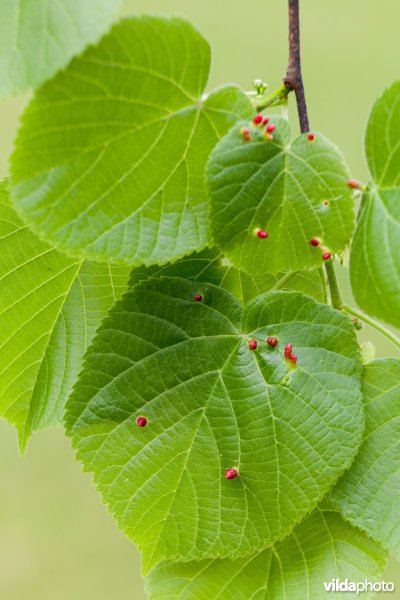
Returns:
(369, 494)
(38, 37)
(212, 404)
(375, 251)
(295, 193)
(110, 159)
(209, 266)
(50, 307)
(321, 549)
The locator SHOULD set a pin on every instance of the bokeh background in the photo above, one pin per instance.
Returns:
(57, 541)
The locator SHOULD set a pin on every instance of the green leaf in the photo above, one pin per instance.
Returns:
(50, 307)
(110, 159)
(213, 404)
(369, 494)
(375, 251)
(295, 192)
(210, 266)
(375, 255)
(323, 547)
(382, 139)
(38, 37)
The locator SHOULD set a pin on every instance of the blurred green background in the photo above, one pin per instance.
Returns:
(57, 541)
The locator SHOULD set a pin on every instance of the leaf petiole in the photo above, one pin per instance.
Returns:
(363, 317)
(336, 298)
(276, 98)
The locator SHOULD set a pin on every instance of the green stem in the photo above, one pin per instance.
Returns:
(336, 298)
(386, 332)
(283, 280)
(277, 97)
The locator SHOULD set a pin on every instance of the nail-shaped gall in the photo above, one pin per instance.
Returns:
(231, 473)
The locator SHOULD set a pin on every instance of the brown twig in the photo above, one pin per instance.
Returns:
(293, 78)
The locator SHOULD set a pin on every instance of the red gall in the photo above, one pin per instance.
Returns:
(272, 341)
(258, 119)
(354, 184)
(288, 350)
(311, 137)
(314, 242)
(246, 134)
(141, 421)
(293, 358)
(262, 234)
(271, 128)
(326, 255)
(253, 344)
(357, 323)
(266, 121)
(198, 297)
(231, 473)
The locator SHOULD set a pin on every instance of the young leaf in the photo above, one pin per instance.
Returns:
(110, 159)
(212, 404)
(38, 37)
(375, 251)
(50, 307)
(321, 549)
(369, 494)
(293, 192)
(209, 266)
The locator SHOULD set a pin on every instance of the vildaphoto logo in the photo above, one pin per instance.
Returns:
(359, 587)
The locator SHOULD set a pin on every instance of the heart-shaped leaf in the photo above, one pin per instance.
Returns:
(375, 251)
(110, 159)
(321, 550)
(369, 494)
(38, 37)
(294, 193)
(212, 404)
(50, 307)
(209, 266)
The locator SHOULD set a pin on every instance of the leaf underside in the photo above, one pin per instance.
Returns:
(368, 494)
(38, 37)
(323, 547)
(294, 192)
(375, 250)
(213, 404)
(50, 307)
(109, 162)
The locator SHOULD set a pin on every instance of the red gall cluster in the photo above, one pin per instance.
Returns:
(272, 341)
(259, 121)
(315, 242)
(141, 421)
